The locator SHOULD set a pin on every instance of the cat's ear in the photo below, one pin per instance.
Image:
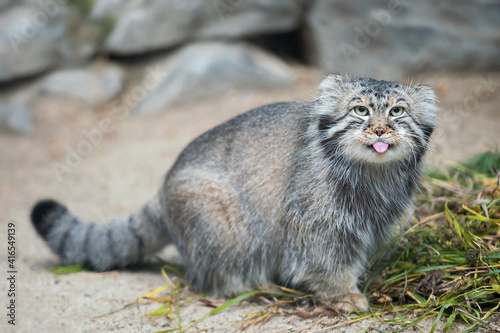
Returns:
(424, 92)
(336, 77)
(333, 83)
(425, 99)
(332, 89)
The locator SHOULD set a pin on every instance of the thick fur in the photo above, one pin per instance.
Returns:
(291, 193)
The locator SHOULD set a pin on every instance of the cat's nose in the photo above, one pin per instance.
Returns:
(379, 131)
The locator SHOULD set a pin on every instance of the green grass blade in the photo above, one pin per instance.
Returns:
(450, 321)
(496, 271)
(60, 270)
(492, 256)
(438, 317)
(434, 268)
(160, 311)
(173, 270)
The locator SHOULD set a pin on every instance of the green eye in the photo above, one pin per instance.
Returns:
(361, 110)
(397, 111)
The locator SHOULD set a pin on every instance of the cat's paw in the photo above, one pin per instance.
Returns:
(350, 302)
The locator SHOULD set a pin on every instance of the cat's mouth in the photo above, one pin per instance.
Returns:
(381, 146)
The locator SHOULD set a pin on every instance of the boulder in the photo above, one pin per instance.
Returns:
(84, 39)
(93, 86)
(113, 8)
(214, 68)
(143, 26)
(29, 42)
(5, 3)
(393, 39)
(15, 116)
(243, 18)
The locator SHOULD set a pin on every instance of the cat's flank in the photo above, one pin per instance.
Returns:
(297, 193)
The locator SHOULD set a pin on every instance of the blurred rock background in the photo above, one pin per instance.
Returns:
(162, 52)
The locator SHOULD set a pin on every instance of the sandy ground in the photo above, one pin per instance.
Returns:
(125, 170)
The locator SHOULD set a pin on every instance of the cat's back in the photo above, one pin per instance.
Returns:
(269, 132)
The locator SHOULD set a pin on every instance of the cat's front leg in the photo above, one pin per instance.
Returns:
(352, 301)
(342, 291)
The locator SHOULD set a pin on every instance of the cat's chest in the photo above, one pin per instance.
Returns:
(365, 213)
(368, 197)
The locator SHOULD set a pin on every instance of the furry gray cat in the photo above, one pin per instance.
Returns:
(296, 193)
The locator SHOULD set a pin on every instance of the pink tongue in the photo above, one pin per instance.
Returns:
(380, 146)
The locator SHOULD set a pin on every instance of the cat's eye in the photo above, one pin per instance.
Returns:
(397, 111)
(361, 110)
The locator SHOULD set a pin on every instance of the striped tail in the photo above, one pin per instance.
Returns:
(117, 244)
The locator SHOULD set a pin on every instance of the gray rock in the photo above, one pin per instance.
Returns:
(93, 86)
(82, 41)
(113, 8)
(215, 68)
(380, 39)
(5, 3)
(153, 25)
(242, 18)
(15, 116)
(157, 24)
(28, 44)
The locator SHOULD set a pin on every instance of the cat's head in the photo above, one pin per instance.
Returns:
(374, 121)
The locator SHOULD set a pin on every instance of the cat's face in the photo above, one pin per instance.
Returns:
(375, 121)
